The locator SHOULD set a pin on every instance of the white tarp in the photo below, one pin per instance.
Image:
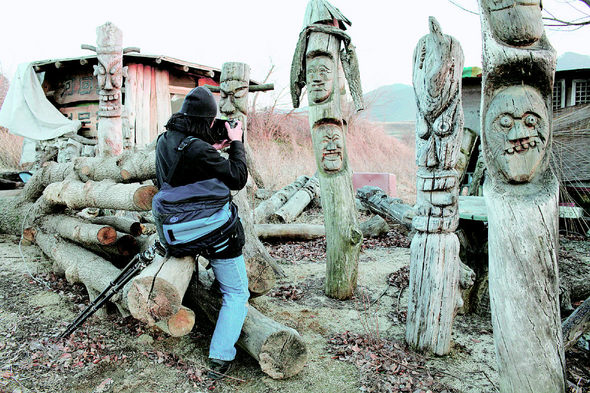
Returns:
(27, 112)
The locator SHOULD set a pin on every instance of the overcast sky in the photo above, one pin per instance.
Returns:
(257, 32)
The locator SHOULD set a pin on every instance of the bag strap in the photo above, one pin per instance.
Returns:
(181, 146)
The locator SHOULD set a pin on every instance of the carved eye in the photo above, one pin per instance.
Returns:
(506, 121)
(530, 120)
(241, 92)
(443, 127)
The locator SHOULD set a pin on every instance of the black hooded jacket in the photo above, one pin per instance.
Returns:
(201, 161)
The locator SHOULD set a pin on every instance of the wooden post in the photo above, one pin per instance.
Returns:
(434, 264)
(110, 73)
(233, 89)
(316, 63)
(235, 79)
(521, 195)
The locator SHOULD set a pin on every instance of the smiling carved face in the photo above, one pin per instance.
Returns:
(320, 79)
(516, 132)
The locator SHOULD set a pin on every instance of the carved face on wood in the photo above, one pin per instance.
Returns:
(109, 72)
(234, 99)
(331, 143)
(516, 132)
(320, 78)
(515, 22)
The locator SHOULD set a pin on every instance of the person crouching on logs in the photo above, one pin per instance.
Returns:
(194, 213)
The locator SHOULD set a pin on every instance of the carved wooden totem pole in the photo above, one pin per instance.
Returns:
(233, 104)
(110, 73)
(434, 270)
(316, 64)
(521, 195)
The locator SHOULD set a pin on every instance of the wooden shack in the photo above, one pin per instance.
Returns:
(153, 89)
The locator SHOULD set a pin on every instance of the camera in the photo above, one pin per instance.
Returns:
(219, 132)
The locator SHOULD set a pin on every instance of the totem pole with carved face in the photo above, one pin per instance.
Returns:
(434, 269)
(521, 195)
(318, 63)
(233, 92)
(109, 72)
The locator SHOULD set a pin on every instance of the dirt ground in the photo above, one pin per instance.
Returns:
(353, 346)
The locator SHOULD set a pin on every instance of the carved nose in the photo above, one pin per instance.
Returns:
(227, 107)
(331, 146)
(518, 131)
(108, 85)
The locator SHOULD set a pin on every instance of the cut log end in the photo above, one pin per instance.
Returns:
(143, 197)
(125, 174)
(127, 245)
(136, 229)
(261, 277)
(181, 323)
(150, 307)
(283, 354)
(107, 236)
(29, 234)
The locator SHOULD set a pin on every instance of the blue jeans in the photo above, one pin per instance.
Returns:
(233, 283)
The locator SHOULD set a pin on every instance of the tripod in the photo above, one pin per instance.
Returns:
(137, 264)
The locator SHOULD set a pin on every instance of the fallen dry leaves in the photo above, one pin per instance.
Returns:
(385, 365)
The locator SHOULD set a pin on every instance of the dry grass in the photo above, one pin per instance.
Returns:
(282, 147)
(10, 145)
(10, 150)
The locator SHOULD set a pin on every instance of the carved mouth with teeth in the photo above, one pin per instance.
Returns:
(521, 146)
(110, 103)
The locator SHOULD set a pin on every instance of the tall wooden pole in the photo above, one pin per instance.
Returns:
(317, 64)
(110, 72)
(521, 195)
(434, 269)
(233, 104)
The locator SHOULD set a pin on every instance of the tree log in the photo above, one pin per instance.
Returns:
(278, 199)
(374, 227)
(290, 231)
(121, 252)
(298, 202)
(80, 265)
(380, 203)
(179, 324)
(123, 224)
(156, 293)
(576, 324)
(50, 173)
(79, 230)
(279, 350)
(105, 194)
(129, 167)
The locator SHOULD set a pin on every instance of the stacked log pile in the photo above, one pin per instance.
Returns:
(90, 250)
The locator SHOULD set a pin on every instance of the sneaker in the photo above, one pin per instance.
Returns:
(218, 368)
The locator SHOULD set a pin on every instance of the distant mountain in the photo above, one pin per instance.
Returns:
(391, 103)
(572, 61)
